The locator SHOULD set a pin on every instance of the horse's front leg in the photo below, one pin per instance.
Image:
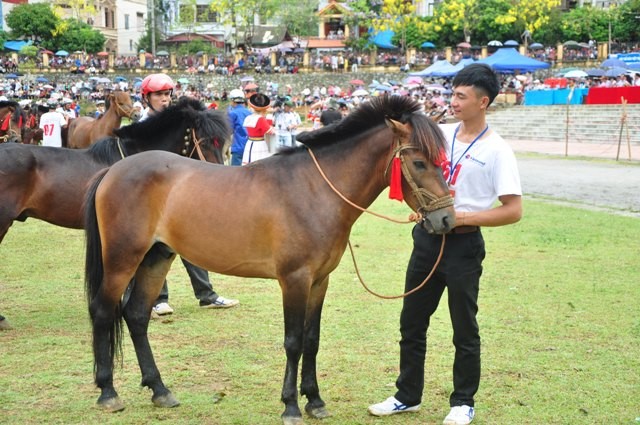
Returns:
(295, 294)
(137, 312)
(309, 381)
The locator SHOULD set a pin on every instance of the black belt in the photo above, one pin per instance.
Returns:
(464, 229)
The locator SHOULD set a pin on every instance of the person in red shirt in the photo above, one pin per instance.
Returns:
(257, 126)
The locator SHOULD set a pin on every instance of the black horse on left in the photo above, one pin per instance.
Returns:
(49, 183)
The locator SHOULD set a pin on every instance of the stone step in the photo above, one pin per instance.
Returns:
(586, 123)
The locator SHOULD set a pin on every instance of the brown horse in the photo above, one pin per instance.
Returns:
(83, 131)
(12, 122)
(148, 208)
(49, 183)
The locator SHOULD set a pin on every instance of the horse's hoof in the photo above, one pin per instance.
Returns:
(111, 405)
(5, 325)
(317, 412)
(166, 400)
(292, 420)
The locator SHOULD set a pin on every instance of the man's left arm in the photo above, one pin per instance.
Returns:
(508, 212)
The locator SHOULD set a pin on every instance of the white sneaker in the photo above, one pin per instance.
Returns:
(220, 302)
(460, 415)
(391, 406)
(162, 309)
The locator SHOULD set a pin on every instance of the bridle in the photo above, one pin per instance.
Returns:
(121, 111)
(190, 137)
(7, 125)
(427, 201)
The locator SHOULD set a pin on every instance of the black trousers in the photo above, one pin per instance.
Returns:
(199, 277)
(459, 271)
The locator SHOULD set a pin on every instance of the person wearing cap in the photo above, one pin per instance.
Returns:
(237, 113)
(67, 110)
(51, 123)
(286, 123)
(100, 109)
(331, 114)
(137, 105)
(257, 126)
(156, 91)
(250, 89)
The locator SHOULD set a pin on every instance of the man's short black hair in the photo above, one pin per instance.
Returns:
(479, 76)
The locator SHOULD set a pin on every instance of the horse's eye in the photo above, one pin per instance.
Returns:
(419, 165)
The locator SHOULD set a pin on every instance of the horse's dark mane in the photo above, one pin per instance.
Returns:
(145, 135)
(372, 114)
(17, 112)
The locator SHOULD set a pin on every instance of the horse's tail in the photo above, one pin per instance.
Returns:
(94, 268)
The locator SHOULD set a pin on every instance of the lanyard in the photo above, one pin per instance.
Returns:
(455, 133)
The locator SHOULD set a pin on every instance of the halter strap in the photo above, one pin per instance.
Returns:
(427, 200)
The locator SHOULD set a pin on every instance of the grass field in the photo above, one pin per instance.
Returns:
(559, 318)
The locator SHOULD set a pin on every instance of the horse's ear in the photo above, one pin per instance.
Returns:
(401, 129)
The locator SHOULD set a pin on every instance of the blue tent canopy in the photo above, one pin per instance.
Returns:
(383, 39)
(509, 60)
(16, 44)
(441, 65)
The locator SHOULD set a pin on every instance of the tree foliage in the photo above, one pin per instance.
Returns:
(27, 20)
(399, 16)
(585, 23)
(243, 13)
(528, 15)
(299, 17)
(80, 9)
(78, 36)
(461, 17)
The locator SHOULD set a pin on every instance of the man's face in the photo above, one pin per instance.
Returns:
(160, 100)
(466, 102)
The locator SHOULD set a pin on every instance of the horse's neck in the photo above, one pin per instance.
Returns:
(111, 119)
(357, 170)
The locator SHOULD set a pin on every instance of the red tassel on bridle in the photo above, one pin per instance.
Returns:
(5, 123)
(395, 185)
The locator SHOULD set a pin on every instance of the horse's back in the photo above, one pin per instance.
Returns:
(196, 208)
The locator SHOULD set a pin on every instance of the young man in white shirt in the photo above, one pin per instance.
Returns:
(51, 123)
(480, 170)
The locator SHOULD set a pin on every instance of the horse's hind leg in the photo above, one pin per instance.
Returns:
(137, 312)
(309, 382)
(107, 331)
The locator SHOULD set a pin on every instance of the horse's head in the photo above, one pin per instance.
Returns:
(419, 150)
(187, 128)
(209, 132)
(121, 101)
(12, 122)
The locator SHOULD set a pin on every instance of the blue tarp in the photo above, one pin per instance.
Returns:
(629, 58)
(509, 60)
(443, 68)
(441, 64)
(554, 97)
(16, 44)
(452, 70)
(383, 39)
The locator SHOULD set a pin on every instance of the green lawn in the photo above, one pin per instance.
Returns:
(559, 318)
